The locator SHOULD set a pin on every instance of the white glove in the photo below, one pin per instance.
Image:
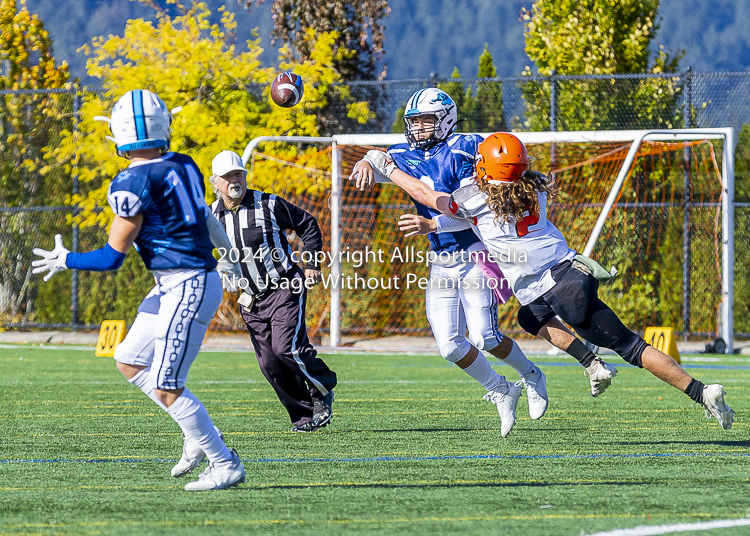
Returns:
(230, 274)
(54, 260)
(381, 161)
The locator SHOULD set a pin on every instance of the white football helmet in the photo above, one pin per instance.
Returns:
(140, 120)
(430, 102)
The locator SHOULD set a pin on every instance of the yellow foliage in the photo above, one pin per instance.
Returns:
(27, 47)
(192, 63)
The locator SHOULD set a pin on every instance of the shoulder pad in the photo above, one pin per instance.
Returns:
(468, 202)
(453, 139)
(125, 192)
(465, 141)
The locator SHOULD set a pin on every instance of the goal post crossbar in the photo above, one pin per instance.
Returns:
(633, 137)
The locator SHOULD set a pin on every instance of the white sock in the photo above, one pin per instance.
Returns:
(140, 380)
(193, 418)
(518, 361)
(482, 372)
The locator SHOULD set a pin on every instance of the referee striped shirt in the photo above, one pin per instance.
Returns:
(257, 231)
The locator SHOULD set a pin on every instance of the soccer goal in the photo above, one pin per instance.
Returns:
(656, 204)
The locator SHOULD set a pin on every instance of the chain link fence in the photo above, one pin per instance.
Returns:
(34, 199)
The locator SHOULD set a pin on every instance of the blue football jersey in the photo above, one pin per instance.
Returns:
(170, 193)
(441, 168)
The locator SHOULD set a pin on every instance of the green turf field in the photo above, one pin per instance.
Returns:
(412, 449)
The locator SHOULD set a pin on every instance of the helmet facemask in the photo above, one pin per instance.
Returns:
(421, 131)
(434, 103)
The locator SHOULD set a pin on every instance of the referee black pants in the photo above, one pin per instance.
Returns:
(285, 356)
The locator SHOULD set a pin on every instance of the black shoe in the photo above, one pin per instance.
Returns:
(305, 427)
(323, 410)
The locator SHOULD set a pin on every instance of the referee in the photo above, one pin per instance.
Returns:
(273, 302)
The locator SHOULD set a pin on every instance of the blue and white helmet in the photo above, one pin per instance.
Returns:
(435, 102)
(140, 120)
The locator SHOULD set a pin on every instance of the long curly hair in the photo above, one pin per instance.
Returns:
(509, 201)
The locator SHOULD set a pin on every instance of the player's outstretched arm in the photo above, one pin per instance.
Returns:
(383, 163)
(415, 225)
(122, 234)
(420, 192)
(373, 168)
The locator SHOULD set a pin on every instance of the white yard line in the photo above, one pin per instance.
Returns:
(679, 527)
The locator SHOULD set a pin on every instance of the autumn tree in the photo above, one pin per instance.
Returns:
(193, 63)
(595, 37)
(31, 118)
(359, 33)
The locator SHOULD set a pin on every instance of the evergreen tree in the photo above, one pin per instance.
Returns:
(484, 111)
(479, 110)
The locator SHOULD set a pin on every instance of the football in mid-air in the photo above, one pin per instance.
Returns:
(287, 89)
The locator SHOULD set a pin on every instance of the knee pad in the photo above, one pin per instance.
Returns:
(631, 348)
(607, 330)
(453, 351)
(138, 346)
(529, 322)
(129, 354)
(485, 341)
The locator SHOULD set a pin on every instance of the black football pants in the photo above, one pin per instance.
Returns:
(285, 356)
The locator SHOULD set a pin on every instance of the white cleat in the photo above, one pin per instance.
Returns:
(600, 375)
(713, 400)
(192, 456)
(536, 392)
(220, 476)
(505, 397)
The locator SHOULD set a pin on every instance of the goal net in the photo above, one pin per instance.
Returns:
(659, 204)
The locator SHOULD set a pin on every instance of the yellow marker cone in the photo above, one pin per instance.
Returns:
(663, 339)
(111, 334)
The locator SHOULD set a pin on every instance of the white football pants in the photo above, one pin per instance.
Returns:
(459, 295)
(168, 331)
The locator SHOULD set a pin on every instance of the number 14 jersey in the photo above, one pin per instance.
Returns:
(170, 193)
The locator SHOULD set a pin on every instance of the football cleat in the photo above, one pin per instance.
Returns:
(536, 392)
(323, 410)
(221, 476)
(713, 400)
(192, 456)
(304, 427)
(505, 397)
(600, 375)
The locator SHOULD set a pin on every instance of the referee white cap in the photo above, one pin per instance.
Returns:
(225, 162)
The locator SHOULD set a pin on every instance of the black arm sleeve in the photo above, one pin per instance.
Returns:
(290, 216)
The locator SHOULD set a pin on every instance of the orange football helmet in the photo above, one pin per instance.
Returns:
(501, 157)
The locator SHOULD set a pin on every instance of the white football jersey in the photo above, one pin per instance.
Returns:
(525, 250)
